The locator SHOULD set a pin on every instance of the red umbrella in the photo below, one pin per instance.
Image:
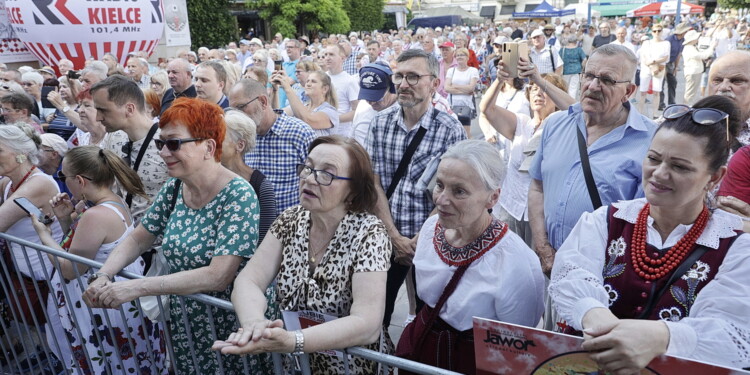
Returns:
(665, 8)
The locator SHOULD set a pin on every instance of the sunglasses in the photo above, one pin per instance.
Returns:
(174, 144)
(61, 176)
(700, 116)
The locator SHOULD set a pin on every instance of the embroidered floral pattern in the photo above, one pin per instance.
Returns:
(672, 314)
(615, 250)
(698, 271)
(457, 256)
(611, 294)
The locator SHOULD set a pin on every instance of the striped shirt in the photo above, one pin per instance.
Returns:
(277, 154)
(387, 143)
(616, 159)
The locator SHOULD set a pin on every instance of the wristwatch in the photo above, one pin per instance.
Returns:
(66, 109)
(98, 275)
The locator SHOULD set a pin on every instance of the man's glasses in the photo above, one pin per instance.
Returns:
(61, 176)
(700, 116)
(241, 107)
(322, 177)
(174, 144)
(411, 79)
(606, 81)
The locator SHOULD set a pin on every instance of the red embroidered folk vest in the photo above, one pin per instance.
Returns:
(631, 295)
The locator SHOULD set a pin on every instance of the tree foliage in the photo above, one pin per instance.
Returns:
(734, 4)
(365, 15)
(293, 17)
(211, 25)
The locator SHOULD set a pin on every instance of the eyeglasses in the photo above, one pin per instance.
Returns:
(174, 144)
(241, 107)
(700, 116)
(606, 81)
(61, 176)
(322, 177)
(412, 79)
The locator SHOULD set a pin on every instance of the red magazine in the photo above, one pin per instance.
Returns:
(503, 348)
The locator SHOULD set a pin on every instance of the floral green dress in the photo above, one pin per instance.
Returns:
(227, 225)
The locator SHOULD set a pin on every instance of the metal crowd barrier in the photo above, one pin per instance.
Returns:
(25, 349)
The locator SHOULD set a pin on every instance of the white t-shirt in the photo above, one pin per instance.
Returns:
(459, 77)
(651, 50)
(330, 111)
(347, 90)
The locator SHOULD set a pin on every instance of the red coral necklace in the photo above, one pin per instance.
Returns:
(652, 269)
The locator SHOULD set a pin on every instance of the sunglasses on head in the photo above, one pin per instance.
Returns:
(700, 116)
(174, 144)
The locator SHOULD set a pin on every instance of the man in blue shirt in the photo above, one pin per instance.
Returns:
(675, 51)
(290, 67)
(617, 138)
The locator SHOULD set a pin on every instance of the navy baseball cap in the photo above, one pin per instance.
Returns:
(374, 81)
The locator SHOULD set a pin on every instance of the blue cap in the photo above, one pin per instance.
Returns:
(374, 81)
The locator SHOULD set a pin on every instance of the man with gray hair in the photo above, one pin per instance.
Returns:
(612, 137)
(135, 70)
(730, 77)
(180, 74)
(95, 72)
(65, 66)
(51, 152)
(282, 140)
(402, 206)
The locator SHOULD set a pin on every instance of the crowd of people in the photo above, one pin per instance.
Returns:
(321, 175)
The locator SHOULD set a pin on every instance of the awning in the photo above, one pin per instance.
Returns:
(395, 9)
(615, 9)
(487, 11)
(507, 10)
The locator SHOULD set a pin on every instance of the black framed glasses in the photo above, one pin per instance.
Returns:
(241, 107)
(604, 80)
(174, 144)
(411, 79)
(61, 176)
(700, 116)
(322, 177)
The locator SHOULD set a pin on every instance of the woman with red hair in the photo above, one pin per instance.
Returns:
(208, 218)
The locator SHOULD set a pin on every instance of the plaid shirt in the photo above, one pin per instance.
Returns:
(387, 143)
(350, 64)
(277, 154)
(543, 59)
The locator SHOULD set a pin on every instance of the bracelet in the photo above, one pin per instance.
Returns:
(299, 343)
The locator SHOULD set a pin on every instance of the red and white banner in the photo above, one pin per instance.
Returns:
(11, 48)
(77, 29)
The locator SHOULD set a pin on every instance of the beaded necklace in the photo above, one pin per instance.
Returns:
(13, 189)
(652, 269)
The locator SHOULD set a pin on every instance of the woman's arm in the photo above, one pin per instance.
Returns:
(91, 233)
(560, 97)
(316, 120)
(362, 326)
(576, 283)
(459, 89)
(501, 119)
(36, 189)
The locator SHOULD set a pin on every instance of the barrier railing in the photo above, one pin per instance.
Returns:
(40, 335)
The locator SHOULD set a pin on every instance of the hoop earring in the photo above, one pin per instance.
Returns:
(20, 159)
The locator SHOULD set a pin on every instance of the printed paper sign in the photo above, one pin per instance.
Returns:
(294, 320)
(503, 348)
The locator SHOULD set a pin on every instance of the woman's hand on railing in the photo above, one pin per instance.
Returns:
(91, 295)
(261, 336)
(111, 295)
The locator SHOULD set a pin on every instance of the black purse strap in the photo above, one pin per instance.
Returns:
(590, 183)
(449, 289)
(404, 163)
(681, 270)
(141, 153)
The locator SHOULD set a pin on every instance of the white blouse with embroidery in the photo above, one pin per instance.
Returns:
(717, 329)
(505, 284)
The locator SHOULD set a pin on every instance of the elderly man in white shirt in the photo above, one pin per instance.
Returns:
(693, 64)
